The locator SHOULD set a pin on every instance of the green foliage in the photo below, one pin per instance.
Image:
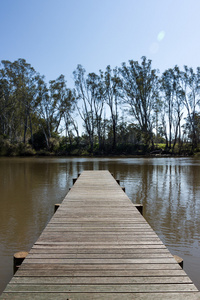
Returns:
(128, 149)
(54, 144)
(9, 149)
(6, 148)
(25, 150)
(44, 152)
(38, 140)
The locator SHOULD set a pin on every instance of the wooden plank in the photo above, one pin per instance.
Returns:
(101, 288)
(126, 247)
(100, 252)
(100, 296)
(101, 280)
(96, 256)
(137, 266)
(108, 261)
(54, 272)
(109, 235)
(101, 227)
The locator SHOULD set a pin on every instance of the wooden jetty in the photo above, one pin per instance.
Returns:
(98, 246)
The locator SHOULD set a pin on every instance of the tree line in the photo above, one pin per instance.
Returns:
(130, 109)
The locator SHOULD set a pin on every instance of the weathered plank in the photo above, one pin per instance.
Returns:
(104, 250)
(75, 267)
(102, 288)
(97, 256)
(100, 296)
(91, 261)
(54, 272)
(102, 280)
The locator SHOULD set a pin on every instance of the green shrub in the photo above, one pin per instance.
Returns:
(39, 141)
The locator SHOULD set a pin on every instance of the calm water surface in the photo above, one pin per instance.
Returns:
(169, 189)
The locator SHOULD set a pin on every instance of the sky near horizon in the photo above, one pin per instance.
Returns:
(54, 36)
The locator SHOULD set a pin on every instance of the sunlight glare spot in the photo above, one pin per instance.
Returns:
(161, 36)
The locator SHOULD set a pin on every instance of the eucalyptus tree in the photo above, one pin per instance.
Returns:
(187, 133)
(140, 90)
(62, 101)
(71, 129)
(43, 109)
(167, 87)
(191, 88)
(113, 86)
(67, 111)
(173, 105)
(89, 93)
(21, 79)
(47, 110)
(96, 88)
(178, 105)
(8, 126)
(84, 99)
(157, 116)
(168, 103)
(53, 104)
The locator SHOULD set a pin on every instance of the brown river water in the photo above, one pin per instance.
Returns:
(169, 189)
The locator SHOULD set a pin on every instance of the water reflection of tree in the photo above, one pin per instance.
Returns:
(30, 189)
(169, 193)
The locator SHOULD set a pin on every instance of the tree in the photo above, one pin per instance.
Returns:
(168, 104)
(172, 105)
(178, 105)
(140, 89)
(43, 106)
(96, 88)
(191, 87)
(7, 110)
(21, 79)
(67, 109)
(113, 85)
(188, 128)
(89, 93)
(53, 104)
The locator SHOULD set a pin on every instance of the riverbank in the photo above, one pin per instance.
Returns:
(126, 150)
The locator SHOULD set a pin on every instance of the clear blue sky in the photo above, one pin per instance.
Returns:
(56, 35)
